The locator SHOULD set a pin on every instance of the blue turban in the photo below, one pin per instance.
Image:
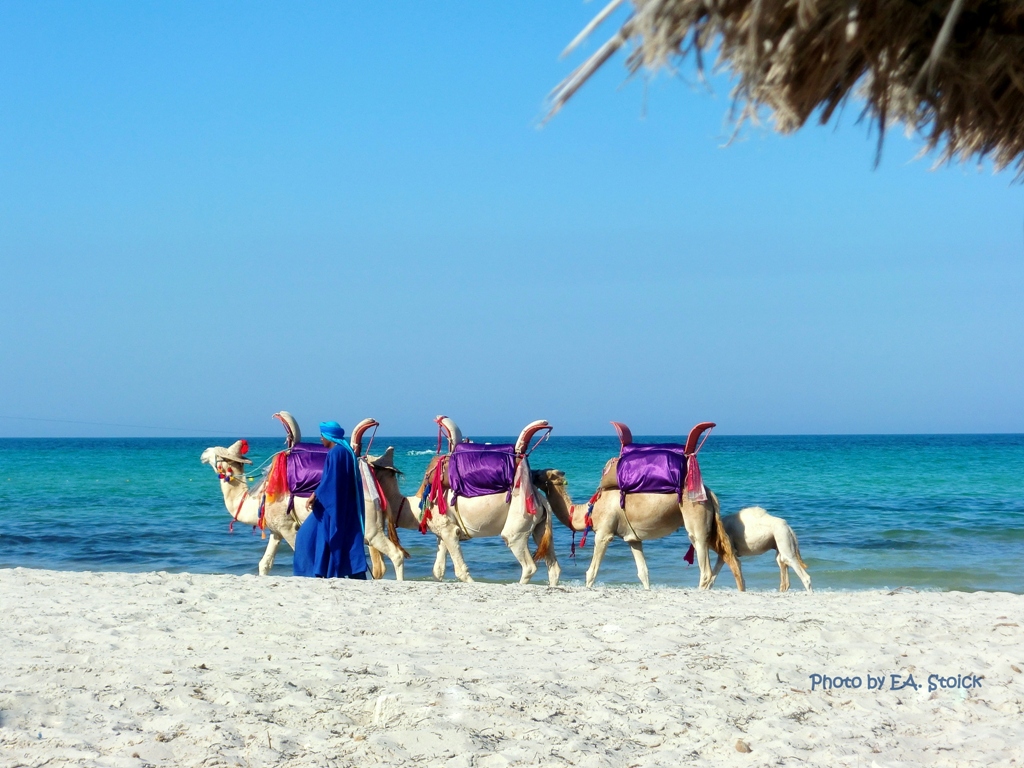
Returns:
(332, 430)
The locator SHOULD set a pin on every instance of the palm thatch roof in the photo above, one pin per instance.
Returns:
(950, 70)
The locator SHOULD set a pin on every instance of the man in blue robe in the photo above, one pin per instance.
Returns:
(329, 543)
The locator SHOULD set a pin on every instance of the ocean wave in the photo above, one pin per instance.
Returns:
(420, 453)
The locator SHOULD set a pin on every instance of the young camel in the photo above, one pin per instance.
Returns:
(646, 516)
(498, 514)
(753, 532)
(283, 516)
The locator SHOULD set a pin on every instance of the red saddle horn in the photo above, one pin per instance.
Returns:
(695, 433)
(625, 436)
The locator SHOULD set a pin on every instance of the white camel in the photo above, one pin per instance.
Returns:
(645, 516)
(509, 515)
(753, 531)
(283, 515)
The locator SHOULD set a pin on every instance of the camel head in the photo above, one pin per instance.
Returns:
(387, 473)
(556, 489)
(549, 479)
(229, 463)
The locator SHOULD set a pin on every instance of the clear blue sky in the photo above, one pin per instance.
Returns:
(210, 211)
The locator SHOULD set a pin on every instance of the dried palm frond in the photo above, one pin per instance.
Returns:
(951, 70)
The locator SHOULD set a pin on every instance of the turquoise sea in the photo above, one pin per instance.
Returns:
(926, 511)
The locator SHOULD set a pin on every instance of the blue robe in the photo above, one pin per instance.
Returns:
(330, 542)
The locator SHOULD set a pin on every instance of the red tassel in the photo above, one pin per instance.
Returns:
(437, 495)
(277, 483)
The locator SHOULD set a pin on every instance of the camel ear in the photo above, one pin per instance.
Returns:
(387, 460)
(235, 450)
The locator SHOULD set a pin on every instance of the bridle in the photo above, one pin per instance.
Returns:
(228, 476)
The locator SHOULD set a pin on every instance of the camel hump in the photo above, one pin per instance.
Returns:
(291, 427)
(691, 442)
(625, 436)
(528, 432)
(753, 513)
(357, 434)
(610, 475)
(428, 474)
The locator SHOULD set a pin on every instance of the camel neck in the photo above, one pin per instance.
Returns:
(393, 495)
(235, 499)
(561, 505)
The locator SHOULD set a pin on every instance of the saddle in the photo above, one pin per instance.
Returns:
(471, 470)
(481, 470)
(297, 469)
(655, 467)
(305, 465)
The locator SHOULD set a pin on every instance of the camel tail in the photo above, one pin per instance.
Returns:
(377, 567)
(544, 548)
(723, 544)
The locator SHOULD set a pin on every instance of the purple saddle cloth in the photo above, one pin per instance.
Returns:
(305, 466)
(481, 470)
(655, 468)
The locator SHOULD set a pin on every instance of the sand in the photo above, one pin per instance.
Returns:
(114, 669)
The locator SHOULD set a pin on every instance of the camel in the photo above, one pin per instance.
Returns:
(283, 515)
(640, 517)
(515, 514)
(753, 532)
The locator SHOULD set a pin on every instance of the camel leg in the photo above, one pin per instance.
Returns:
(737, 573)
(717, 569)
(700, 545)
(519, 543)
(267, 561)
(448, 542)
(783, 573)
(637, 548)
(441, 561)
(550, 560)
(698, 521)
(378, 541)
(797, 569)
(601, 542)
(699, 530)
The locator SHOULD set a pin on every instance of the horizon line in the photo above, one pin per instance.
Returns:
(513, 436)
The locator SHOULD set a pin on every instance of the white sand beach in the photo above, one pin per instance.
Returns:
(114, 669)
